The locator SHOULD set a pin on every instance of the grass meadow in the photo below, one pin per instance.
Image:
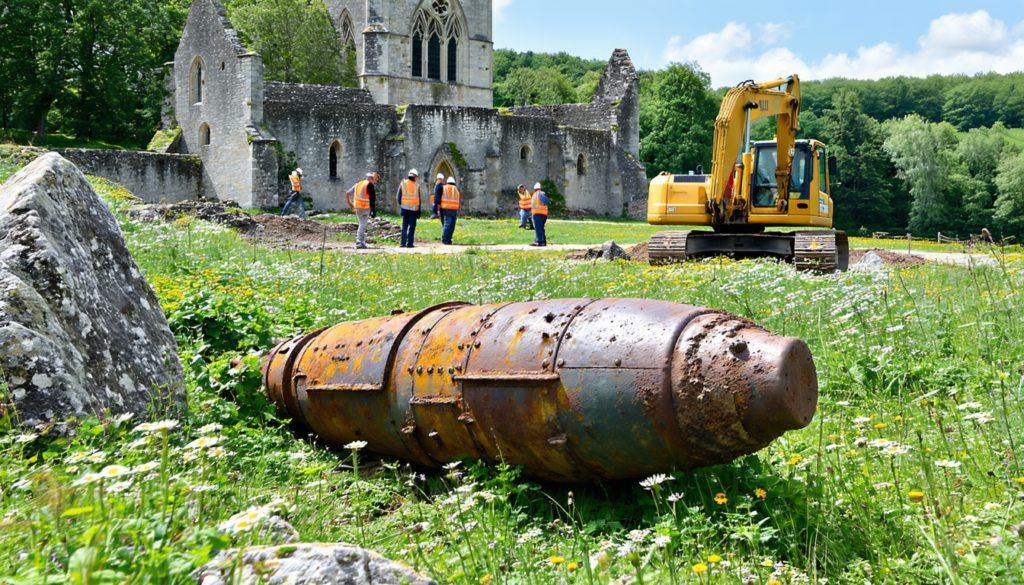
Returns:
(909, 473)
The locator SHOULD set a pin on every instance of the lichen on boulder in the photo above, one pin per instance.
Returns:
(80, 329)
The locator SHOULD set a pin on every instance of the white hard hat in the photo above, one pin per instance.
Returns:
(440, 176)
(414, 173)
(451, 180)
(537, 186)
(298, 172)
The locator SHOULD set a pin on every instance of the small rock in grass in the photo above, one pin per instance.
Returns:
(870, 261)
(306, 564)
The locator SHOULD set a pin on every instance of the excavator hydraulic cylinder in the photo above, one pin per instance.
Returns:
(572, 389)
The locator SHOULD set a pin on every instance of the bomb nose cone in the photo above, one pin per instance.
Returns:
(783, 385)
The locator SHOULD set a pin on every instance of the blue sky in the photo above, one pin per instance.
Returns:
(733, 41)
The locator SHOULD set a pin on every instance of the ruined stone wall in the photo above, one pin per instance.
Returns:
(308, 119)
(230, 106)
(149, 176)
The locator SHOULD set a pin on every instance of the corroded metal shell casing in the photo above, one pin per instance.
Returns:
(572, 389)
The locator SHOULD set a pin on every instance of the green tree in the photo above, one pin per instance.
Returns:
(863, 191)
(296, 39)
(1009, 206)
(540, 87)
(92, 59)
(969, 106)
(677, 126)
(924, 155)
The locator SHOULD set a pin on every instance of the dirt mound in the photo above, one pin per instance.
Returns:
(638, 253)
(891, 258)
(306, 233)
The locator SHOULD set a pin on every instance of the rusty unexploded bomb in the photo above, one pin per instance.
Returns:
(572, 389)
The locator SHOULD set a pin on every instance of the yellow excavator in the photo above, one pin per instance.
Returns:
(741, 196)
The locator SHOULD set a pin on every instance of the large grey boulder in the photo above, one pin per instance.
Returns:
(306, 564)
(80, 329)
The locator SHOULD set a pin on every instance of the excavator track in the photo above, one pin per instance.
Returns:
(821, 251)
(668, 247)
(817, 250)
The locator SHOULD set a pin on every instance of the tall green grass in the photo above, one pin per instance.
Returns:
(909, 473)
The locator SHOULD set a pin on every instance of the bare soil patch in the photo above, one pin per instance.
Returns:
(891, 258)
(308, 234)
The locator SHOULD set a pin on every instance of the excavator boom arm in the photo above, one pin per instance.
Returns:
(759, 100)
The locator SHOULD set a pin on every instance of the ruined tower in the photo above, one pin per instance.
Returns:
(429, 52)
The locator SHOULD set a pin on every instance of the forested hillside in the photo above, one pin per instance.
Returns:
(941, 153)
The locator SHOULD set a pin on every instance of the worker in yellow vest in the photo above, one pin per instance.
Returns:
(539, 208)
(296, 194)
(525, 203)
(409, 203)
(363, 198)
(450, 202)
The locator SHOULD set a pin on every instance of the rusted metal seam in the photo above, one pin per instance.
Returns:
(461, 385)
(345, 388)
(508, 377)
(388, 379)
(567, 449)
(674, 429)
(291, 401)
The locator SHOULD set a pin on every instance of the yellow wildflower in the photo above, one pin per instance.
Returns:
(720, 499)
(486, 578)
(714, 559)
(557, 560)
(1019, 479)
(571, 567)
(700, 568)
(916, 496)
(760, 493)
(794, 459)
(881, 426)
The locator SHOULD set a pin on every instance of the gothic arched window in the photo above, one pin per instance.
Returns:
(434, 57)
(437, 32)
(195, 82)
(332, 160)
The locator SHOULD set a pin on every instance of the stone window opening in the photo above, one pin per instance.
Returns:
(333, 156)
(196, 82)
(204, 134)
(437, 34)
(525, 152)
(222, 64)
(348, 35)
(581, 165)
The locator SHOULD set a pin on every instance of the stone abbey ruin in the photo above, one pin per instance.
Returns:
(425, 102)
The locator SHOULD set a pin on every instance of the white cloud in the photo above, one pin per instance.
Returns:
(775, 32)
(498, 7)
(954, 43)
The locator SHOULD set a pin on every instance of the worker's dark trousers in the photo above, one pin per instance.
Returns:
(409, 227)
(538, 227)
(448, 216)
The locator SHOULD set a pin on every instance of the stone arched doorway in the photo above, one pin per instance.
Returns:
(445, 168)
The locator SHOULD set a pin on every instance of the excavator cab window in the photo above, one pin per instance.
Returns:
(765, 190)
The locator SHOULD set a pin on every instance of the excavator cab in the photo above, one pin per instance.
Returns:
(808, 201)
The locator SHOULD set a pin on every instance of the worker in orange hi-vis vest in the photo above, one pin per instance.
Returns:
(450, 202)
(409, 202)
(539, 208)
(363, 198)
(296, 195)
(525, 202)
